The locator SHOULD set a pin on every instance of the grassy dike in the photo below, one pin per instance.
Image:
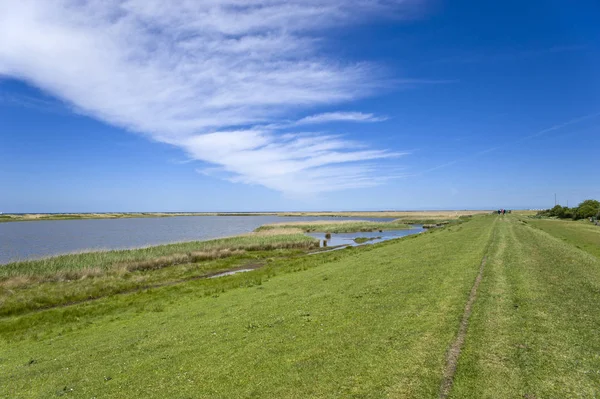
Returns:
(534, 328)
(366, 322)
(363, 322)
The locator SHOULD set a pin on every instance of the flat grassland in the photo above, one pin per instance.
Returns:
(420, 215)
(366, 322)
(27, 217)
(409, 215)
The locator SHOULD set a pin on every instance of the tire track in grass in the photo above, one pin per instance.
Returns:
(457, 344)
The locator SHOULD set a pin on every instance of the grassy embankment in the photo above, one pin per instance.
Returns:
(360, 322)
(367, 322)
(534, 328)
(57, 280)
(347, 226)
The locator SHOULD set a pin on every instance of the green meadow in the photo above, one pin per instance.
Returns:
(375, 321)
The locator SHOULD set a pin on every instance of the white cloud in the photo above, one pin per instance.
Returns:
(201, 74)
(298, 164)
(340, 117)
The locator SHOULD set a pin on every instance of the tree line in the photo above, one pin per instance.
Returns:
(586, 209)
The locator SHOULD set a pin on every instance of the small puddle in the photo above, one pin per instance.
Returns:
(229, 273)
(373, 237)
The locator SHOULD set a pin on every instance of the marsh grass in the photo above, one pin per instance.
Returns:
(345, 226)
(53, 281)
(18, 295)
(81, 265)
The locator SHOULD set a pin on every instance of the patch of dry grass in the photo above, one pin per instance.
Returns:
(86, 265)
(343, 226)
(277, 232)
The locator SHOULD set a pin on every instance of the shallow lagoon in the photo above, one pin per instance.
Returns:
(35, 239)
(347, 239)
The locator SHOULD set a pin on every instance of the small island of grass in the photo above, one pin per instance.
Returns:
(347, 226)
(362, 240)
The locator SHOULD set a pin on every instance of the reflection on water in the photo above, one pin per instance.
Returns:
(374, 236)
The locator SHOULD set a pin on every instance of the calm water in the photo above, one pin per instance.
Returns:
(348, 238)
(26, 240)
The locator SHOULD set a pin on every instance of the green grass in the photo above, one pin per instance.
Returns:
(338, 227)
(582, 234)
(534, 327)
(365, 322)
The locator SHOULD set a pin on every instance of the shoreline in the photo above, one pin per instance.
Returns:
(273, 230)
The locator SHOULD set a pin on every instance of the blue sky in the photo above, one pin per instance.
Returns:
(254, 105)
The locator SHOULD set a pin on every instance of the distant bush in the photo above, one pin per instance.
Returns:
(586, 209)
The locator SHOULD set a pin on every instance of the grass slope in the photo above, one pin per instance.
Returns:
(368, 322)
(534, 327)
(38, 284)
(582, 234)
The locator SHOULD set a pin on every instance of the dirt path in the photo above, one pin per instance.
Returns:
(457, 344)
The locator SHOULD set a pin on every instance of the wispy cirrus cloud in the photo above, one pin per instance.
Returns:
(327, 117)
(212, 77)
(299, 163)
